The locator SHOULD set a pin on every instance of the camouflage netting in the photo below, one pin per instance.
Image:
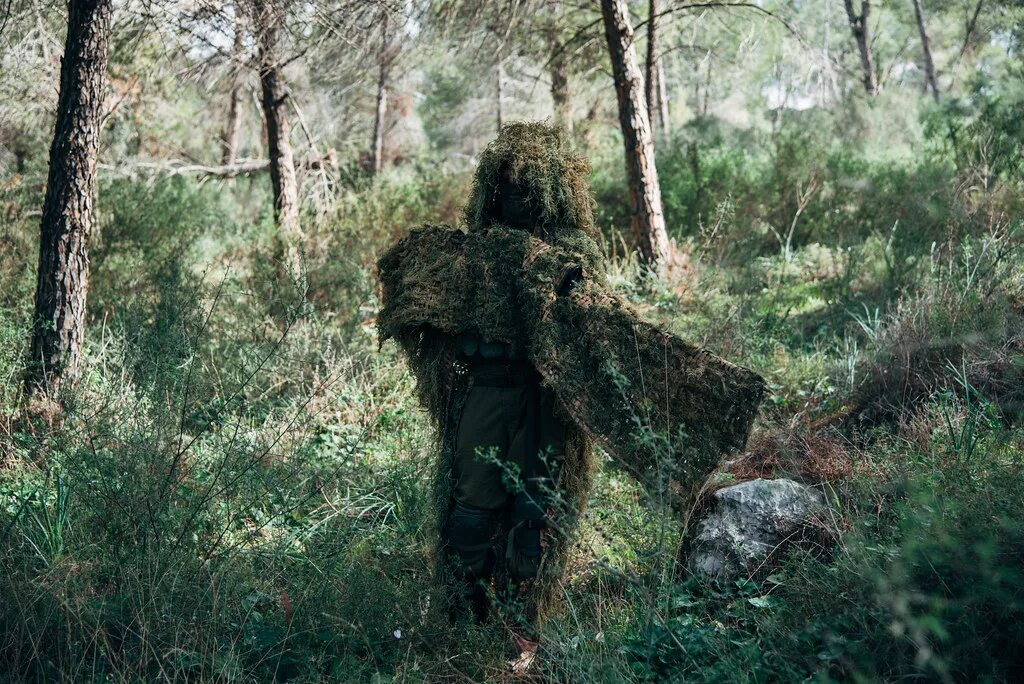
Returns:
(665, 410)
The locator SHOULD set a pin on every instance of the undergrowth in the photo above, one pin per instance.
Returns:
(239, 491)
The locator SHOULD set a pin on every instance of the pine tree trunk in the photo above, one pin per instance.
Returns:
(706, 102)
(229, 145)
(663, 110)
(560, 94)
(972, 24)
(651, 63)
(644, 191)
(229, 149)
(282, 159)
(926, 48)
(382, 102)
(860, 29)
(69, 206)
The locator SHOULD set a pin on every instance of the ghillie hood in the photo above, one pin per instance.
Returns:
(538, 157)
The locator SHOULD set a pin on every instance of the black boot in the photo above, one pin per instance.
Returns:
(479, 601)
(475, 597)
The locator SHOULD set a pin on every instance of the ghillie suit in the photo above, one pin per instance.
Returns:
(664, 409)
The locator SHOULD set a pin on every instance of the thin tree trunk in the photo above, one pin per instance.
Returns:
(229, 145)
(560, 94)
(860, 29)
(926, 48)
(499, 93)
(58, 326)
(644, 191)
(972, 24)
(969, 28)
(651, 63)
(693, 152)
(382, 101)
(663, 110)
(706, 86)
(282, 161)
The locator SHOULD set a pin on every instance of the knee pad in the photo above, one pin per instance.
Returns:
(524, 554)
(525, 549)
(468, 534)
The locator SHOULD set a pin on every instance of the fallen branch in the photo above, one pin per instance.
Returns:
(242, 167)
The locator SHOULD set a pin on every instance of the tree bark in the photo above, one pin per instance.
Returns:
(382, 100)
(651, 63)
(58, 326)
(268, 18)
(926, 48)
(860, 29)
(560, 93)
(229, 145)
(644, 191)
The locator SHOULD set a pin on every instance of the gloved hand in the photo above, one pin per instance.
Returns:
(572, 274)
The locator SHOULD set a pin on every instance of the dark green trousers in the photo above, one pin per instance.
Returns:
(509, 446)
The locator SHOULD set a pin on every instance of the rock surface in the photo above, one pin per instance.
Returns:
(746, 524)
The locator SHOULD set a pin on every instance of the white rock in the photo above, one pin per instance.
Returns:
(742, 525)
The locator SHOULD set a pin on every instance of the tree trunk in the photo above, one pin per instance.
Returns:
(229, 145)
(702, 103)
(560, 94)
(651, 63)
(58, 326)
(859, 27)
(382, 100)
(268, 18)
(644, 191)
(693, 152)
(926, 48)
(972, 24)
(499, 93)
(663, 111)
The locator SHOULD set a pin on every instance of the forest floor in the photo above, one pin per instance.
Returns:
(240, 491)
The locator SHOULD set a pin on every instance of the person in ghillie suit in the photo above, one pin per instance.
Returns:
(523, 357)
(513, 466)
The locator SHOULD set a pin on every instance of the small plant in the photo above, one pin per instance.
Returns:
(50, 520)
(964, 433)
(870, 322)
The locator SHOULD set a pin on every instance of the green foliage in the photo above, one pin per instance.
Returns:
(445, 92)
(980, 132)
(241, 489)
(51, 520)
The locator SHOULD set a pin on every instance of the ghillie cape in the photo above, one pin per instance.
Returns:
(664, 409)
